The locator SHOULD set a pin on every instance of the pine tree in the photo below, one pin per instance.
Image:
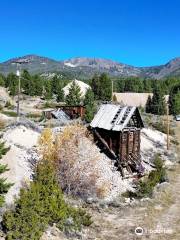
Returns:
(2, 80)
(47, 89)
(12, 83)
(158, 101)
(4, 186)
(148, 107)
(74, 96)
(102, 87)
(27, 83)
(176, 106)
(55, 84)
(42, 204)
(37, 85)
(174, 99)
(121, 85)
(59, 92)
(105, 87)
(89, 105)
(147, 85)
(95, 85)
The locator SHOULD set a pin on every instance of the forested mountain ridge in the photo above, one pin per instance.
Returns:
(83, 67)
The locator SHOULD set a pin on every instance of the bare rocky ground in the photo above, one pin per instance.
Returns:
(158, 217)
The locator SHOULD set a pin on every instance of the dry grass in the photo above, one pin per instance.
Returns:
(3, 124)
(78, 173)
(76, 166)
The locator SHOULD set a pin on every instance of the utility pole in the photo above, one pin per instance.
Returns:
(18, 73)
(19, 62)
(167, 113)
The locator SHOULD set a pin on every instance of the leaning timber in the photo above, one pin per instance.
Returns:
(118, 129)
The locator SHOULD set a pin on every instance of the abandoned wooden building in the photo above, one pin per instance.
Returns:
(117, 129)
(72, 112)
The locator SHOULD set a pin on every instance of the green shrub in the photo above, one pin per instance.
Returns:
(10, 113)
(148, 120)
(175, 142)
(145, 187)
(42, 117)
(141, 109)
(4, 186)
(42, 204)
(1, 107)
(33, 115)
(162, 128)
(8, 105)
(49, 105)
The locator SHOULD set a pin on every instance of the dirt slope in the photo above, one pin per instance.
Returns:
(159, 218)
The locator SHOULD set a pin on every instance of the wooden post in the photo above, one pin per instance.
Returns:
(105, 144)
(18, 101)
(81, 112)
(127, 146)
(19, 91)
(167, 113)
(110, 143)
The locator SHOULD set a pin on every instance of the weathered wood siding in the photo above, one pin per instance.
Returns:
(74, 111)
(126, 144)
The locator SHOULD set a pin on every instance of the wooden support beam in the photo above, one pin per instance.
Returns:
(110, 143)
(105, 144)
(129, 169)
(121, 170)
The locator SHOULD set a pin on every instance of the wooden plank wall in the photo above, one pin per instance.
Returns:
(123, 144)
(129, 144)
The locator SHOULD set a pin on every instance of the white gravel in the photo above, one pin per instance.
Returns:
(4, 96)
(134, 99)
(108, 174)
(21, 136)
(83, 86)
(20, 139)
(153, 142)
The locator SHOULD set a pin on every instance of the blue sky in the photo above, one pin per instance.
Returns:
(136, 32)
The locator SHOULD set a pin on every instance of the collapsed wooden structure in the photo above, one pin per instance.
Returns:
(72, 111)
(116, 129)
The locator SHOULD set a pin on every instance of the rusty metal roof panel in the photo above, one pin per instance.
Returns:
(61, 115)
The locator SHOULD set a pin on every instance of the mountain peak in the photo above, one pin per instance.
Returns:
(174, 61)
(29, 58)
(86, 67)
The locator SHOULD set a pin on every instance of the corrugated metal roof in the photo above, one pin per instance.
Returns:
(61, 115)
(112, 117)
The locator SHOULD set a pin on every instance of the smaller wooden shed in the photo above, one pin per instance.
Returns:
(118, 128)
(72, 112)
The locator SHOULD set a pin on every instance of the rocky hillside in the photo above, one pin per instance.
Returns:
(87, 67)
(172, 68)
